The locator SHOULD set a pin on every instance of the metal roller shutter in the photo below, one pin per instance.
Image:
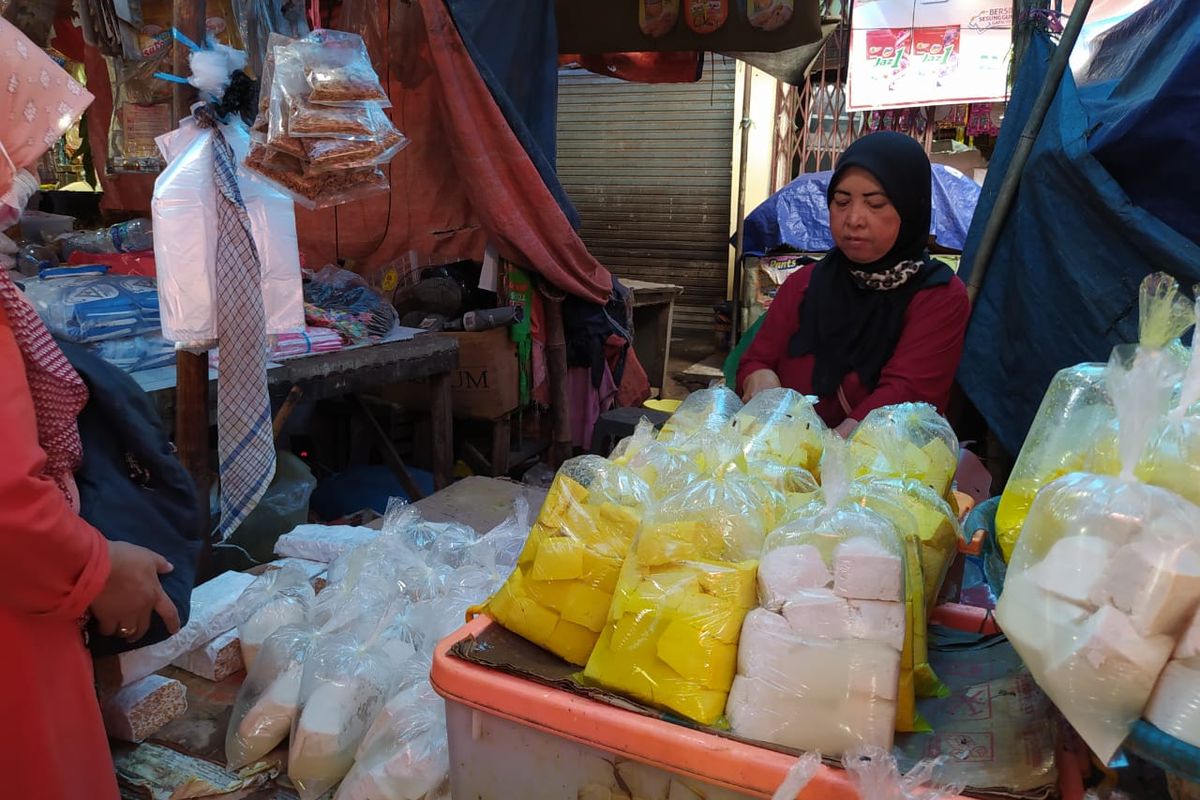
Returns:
(649, 168)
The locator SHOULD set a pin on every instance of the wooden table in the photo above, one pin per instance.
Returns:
(653, 318)
(356, 369)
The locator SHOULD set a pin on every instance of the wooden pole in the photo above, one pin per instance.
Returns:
(191, 369)
(561, 448)
(735, 331)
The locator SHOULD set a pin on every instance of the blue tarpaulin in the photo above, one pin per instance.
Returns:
(797, 217)
(514, 44)
(1062, 286)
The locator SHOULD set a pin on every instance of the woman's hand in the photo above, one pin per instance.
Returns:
(132, 592)
(846, 428)
(759, 381)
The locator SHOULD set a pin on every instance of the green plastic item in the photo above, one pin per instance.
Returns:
(735, 356)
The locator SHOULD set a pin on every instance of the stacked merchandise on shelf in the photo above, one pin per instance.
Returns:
(1102, 529)
(746, 568)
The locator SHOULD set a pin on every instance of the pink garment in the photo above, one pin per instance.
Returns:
(41, 102)
(587, 402)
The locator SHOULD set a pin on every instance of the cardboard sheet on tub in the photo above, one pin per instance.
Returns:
(500, 649)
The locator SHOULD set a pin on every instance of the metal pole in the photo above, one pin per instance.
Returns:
(191, 369)
(743, 159)
(1012, 179)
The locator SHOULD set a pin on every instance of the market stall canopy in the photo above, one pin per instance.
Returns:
(797, 216)
(593, 27)
(1102, 203)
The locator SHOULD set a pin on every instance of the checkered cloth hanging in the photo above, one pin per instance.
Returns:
(245, 442)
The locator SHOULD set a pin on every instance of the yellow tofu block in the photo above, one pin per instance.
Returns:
(619, 521)
(701, 705)
(669, 542)
(554, 595)
(528, 618)
(697, 656)
(559, 558)
(579, 521)
(910, 461)
(906, 704)
(942, 463)
(737, 584)
(585, 606)
(617, 671)
(530, 548)
(714, 616)
(637, 631)
(563, 493)
(600, 571)
(573, 642)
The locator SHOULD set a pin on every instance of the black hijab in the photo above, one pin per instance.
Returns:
(845, 325)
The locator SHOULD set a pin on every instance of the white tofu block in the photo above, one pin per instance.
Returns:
(281, 609)
(1040, 625)
(764, 641)
(756, 710)
(214, 611)
(1103, 681)
(1175, 705)
(864, 570)
(1156, 581)
(315, 571)
(324, 543)
(143, 708)
(877, 621)
(818, 614)
(1074, 567)
(416, 772)
(216, 660)
(786, 571)
(828, 669)
(331, 725)
(1189, 644)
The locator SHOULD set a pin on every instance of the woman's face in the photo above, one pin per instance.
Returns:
(862, 219)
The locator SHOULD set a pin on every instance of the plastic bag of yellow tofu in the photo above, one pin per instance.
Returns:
(1173, 458)
(705, 410)
(909, 440)
(1075, 426)
(559, 595)
(653, 461)
(781, 425)
(672, 631)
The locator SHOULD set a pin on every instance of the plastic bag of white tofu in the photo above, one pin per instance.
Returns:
(347, 679)
(409, 759)
(280, 597)
(819, 662)
(269, 698)
(1105, 577)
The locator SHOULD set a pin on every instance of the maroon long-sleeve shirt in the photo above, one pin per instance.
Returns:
(921, 369)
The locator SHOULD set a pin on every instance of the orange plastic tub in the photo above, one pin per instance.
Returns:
(513, 738)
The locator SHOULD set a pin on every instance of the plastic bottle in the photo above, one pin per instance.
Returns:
(124, 237)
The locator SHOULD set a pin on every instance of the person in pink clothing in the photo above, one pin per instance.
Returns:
(58, 569)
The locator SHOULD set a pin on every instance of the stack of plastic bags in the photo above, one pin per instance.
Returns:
(1074, 429)
(561, 591)
(1104, 580)
(819, 662)
(342, 676)
(323, 136)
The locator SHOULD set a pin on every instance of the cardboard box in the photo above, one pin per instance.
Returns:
(486, 383)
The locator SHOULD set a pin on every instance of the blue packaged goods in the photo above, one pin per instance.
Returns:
(96, 308)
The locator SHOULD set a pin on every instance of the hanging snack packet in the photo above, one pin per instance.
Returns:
(768, 15)
(707, 409)
(559, 595)
(910, 440)
(781, 425)
(337, 70)
(819, 663)
(672, 631)
(1105, 577)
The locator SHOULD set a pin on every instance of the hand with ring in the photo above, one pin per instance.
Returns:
(133, 592)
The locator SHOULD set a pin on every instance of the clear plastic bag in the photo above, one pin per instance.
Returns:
(346, 682)
(1173, 458)
(276, 598)
(337, 70)
(96, 308)
(819, 664)
(559, 595)
(269, 698)
(409, 759)
(1105, 577)
(768, 15)
(781, 425)
(877, 777)
(910, 440)
(653, 461)
(136, 353)
(708, 409)
(671, 634)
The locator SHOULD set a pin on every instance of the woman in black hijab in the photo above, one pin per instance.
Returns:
(877, 321)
